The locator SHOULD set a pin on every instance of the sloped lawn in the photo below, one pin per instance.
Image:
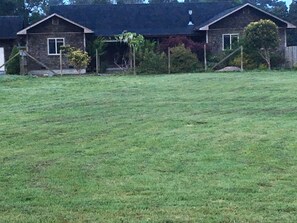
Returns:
(174, 148)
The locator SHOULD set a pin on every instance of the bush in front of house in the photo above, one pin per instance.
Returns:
(253, 61)
(153, 63)
(149, 60)
(79, 59)
(183, 60)
(197, 48)
(13, 67)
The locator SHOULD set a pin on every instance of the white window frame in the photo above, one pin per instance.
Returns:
(56, 45)
(230, 43)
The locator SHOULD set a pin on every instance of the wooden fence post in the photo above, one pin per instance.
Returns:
(241, 58)
(97, 62)
(205, 60)
(61, 63)
(169, 60)
(134, 60)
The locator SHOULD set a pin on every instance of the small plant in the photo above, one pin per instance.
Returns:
(79, 59)
(13, 67)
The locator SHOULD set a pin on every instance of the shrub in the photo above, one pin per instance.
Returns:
(77, 58)
(255, 61)
(197, 48)
(249, 62)
(145, 48)
(153, 63)
(13, 67)
(183, 60)
(149, 60)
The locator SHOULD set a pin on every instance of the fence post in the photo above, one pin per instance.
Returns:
(22, 63)
(134, 60)
(61, 62)
(169, 60)
(97, 62)
(241, 58)
(205, 60)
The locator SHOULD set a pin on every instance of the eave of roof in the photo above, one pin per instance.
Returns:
(24, 31)
(227, 13)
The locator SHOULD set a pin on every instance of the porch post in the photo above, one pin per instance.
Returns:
(205, 60)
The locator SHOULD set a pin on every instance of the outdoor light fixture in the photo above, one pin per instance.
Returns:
(190, 18)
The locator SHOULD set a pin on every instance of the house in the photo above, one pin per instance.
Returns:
(44, 39)
(9, 26)
(219, 24)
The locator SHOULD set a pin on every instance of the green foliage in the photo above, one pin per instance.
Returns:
(183, 60)
(261, 37)
(98, 44)
(144, 48)
(153, 63)
(149, 60)
(77, 58)
(13, 67)
(132, 39)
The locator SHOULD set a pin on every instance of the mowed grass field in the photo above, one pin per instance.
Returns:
(203, 147)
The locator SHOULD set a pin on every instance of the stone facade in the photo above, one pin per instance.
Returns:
(37, 42)
(235, 24)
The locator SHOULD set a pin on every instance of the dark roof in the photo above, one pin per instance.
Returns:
(146, 19)
(227, 12)
(10, 25)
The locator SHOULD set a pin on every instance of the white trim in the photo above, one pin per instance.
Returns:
(56, 47)
(229, 34)
(289, 25)
(24, 31)
(207, 37)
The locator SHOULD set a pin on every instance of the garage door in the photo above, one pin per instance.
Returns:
(2, 69)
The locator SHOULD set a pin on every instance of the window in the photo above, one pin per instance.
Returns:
(54, 44)
(230, 41)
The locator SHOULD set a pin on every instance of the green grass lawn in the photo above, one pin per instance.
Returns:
(174, 148)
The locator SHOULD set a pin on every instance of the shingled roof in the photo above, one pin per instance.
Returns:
(146, 19)
(10, 25)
